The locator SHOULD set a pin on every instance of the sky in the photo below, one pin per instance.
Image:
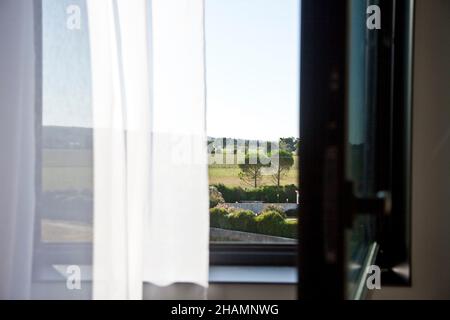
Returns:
(66, 67)
(252, 52)
(252, 63)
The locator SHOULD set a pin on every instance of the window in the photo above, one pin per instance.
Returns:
(252, 53)
(252, 59)
(356, 118)
(354, 139)
(63, 226)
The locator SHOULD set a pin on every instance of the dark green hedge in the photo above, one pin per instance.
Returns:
(271, 194)
(268, 222)
(291, 213)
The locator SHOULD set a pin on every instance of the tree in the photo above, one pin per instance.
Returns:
(215, 197)
(289, 144)
(251, 169)
(297, 147)
(285, 162)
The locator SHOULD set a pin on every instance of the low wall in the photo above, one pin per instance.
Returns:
(232, 235)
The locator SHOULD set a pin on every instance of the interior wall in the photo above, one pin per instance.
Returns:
(431, 157)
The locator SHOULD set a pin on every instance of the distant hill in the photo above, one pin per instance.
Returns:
(54, 137)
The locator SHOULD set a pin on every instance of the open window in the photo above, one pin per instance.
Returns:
(342, 201)
(252, 68)
(356, 129)
(252, 53)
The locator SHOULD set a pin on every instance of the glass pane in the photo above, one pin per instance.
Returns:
(361, 144)
(252, 53)
(64, 159)
(65, 205)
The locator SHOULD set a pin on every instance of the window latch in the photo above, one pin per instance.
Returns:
(379, 205)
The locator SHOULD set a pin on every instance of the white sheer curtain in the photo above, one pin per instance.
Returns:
(177, 231)
(17, 142)
(151, 219)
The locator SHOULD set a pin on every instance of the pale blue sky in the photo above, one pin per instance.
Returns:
(66, 65)
(252, 54)
(253, 68)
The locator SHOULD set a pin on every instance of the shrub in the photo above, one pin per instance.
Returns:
(290, 193)
(215, 197)
(219, 217)
(274, 207)
(272, 194)
(231, 194)
(292, 213)
(270, 223)
(242, 220)
(290, 228)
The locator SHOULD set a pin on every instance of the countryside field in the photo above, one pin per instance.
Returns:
(71, 170)
(229, 175)
(65, 169)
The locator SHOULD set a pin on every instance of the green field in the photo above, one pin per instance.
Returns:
(72, 169)
(65, 169)
(229, 175)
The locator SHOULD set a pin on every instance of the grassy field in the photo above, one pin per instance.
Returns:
(57, 231)
(66, 170)
(72, 169)
(229, 175)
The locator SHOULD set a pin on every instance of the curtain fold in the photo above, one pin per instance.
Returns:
(151, 219)
(177, 230)
(17, 141)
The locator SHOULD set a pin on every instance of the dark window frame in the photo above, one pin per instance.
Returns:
(230, 254)
(325, 29)
(395, 230)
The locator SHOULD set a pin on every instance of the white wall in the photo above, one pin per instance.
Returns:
(431, 156)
